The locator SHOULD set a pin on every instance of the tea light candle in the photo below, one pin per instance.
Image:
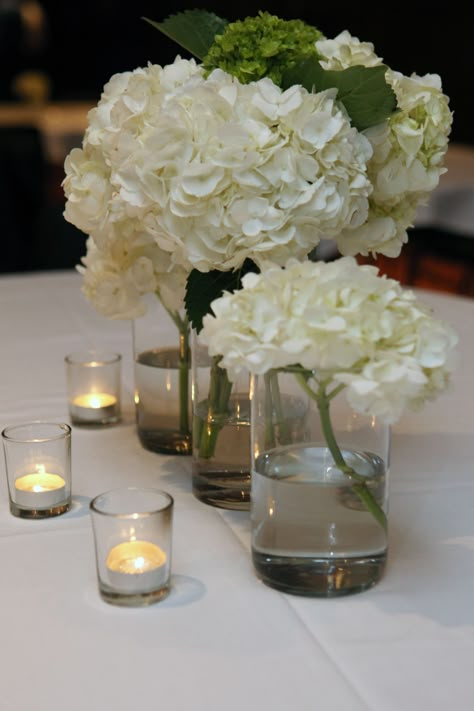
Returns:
(40, 489)
(136, 566)
(94, 407)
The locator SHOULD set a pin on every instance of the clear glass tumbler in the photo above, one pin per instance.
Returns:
(93, 383)
(38, 466)
(133, 533)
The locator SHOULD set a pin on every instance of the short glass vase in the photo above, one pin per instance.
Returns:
(162, 370)
(221, 433)
(319, 495)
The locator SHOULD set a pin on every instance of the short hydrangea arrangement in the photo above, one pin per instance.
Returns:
(339, 324)
(336, 328)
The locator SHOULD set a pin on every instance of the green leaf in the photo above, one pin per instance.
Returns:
(203, 287)
(367, 97)
(194, 30)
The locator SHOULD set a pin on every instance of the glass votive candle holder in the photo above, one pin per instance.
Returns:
(38, 467)
(132, 534)
(93, 384)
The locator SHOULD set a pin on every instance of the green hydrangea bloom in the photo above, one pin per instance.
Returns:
(261, 46)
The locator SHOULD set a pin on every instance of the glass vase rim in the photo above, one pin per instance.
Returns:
(94, 504)
(92, 358)
(62, 431)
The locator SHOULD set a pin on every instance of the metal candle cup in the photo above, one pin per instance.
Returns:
(136, 566)
(39, 490)
(94, 408)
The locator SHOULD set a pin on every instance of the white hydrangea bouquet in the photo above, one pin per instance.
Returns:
(337, 327)
(275, 138)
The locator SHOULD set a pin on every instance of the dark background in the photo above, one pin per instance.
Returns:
(89, 41)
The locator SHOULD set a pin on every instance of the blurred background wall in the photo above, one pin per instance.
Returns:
(91, 40)
(55, 54)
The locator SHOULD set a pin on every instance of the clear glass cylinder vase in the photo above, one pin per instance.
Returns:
(319, 489)
(221, 433)
(162, 371)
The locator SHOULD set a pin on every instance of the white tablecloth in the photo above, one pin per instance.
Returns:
(222, 641)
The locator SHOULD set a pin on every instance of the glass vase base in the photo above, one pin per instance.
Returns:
(225, 490)
(319, 577)
(135, 599)
(165, 442)
(57, 510)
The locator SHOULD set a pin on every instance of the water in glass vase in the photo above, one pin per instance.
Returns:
(162, 419)
(221, 457)
(312, 535)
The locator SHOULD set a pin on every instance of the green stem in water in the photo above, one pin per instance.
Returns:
(359, 483)
(184, 365)
(220, 389)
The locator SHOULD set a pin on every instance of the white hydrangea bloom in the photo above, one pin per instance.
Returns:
(346, 51)
(342, 321)
(409, 150)
(215, 171)
(122, 270)
(87, 185)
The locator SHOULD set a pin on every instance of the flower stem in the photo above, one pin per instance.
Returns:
(359, 485)
(184, 365)
(220, 389)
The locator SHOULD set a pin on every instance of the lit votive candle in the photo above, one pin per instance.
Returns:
(136, 566)
(40, 489)
(94, 408)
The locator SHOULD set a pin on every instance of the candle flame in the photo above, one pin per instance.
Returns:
(135, 557)
(139, 562)
(39, 481)
(95, 401)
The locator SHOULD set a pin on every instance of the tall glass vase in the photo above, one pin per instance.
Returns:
(162, 368)
(319, 488)
(221, 433)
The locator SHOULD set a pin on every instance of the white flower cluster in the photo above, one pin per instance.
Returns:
(342, 321)
(346, 51)
(117, 276)
(180, 171)
(409, 150)
(123, 261)
(215, 171)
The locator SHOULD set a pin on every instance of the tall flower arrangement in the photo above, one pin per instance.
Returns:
(275, 138)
